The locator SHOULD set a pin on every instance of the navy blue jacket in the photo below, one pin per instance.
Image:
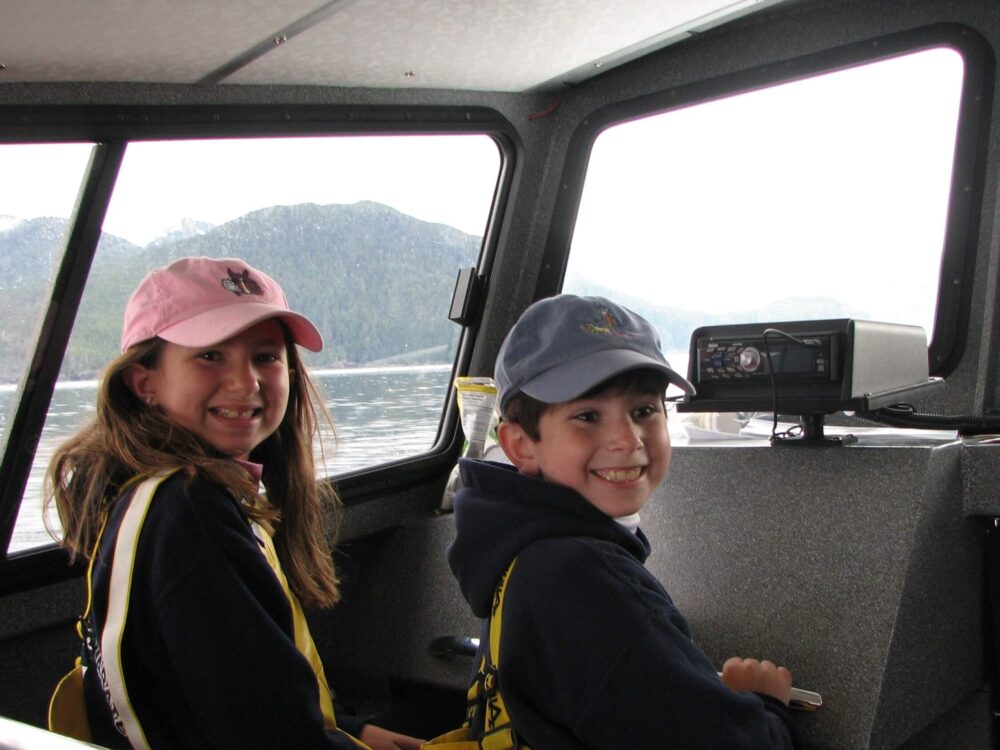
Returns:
(207, 651)
(593, 652)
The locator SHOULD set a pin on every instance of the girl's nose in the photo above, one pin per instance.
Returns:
(243, 377)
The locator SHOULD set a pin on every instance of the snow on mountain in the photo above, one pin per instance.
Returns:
(8, 222)
(181, 231)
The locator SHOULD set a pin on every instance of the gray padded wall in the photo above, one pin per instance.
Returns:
(852, 565)
(403, 599)
(858, 567)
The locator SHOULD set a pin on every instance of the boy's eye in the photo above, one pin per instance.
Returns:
(586, 416)
(645, 411)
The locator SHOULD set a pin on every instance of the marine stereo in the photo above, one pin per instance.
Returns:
(807, 367)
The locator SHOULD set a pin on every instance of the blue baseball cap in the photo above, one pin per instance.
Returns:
(563, 346)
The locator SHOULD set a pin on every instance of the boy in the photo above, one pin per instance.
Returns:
(593, 653)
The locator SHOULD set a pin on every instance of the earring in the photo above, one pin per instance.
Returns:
(148, 400)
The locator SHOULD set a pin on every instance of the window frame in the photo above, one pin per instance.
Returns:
(110, 129)
(958, 263)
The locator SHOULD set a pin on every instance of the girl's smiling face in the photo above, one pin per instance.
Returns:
(612, 448)
(233, 395)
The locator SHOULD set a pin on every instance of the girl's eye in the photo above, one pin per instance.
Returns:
(211, 356)
(267, 357)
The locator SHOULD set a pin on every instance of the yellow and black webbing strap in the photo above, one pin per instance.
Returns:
(484, 695)
(498, 732)
(82, 619)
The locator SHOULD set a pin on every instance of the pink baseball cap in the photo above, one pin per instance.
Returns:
(202, 301)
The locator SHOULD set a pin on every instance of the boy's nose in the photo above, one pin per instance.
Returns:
(625, 435)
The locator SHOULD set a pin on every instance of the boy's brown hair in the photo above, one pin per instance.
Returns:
(527, 412)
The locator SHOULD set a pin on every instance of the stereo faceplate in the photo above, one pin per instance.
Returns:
(806, 367)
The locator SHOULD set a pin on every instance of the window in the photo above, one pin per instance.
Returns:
(825, 197)
(40, 182)
(38, 193)
(365, 235)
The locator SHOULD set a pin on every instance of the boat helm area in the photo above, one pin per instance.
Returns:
(801, 196)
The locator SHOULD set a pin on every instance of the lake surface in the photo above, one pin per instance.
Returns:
(380, 414)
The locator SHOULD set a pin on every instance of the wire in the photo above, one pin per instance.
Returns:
(905, 415)
(791, 432)
(897, 415)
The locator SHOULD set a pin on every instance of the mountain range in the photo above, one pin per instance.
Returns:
(377, 283)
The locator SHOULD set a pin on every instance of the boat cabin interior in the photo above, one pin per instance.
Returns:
(806, 182)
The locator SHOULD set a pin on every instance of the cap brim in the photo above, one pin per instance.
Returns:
(221, 323)
(573, 379)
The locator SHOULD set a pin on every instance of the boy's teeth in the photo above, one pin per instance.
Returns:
(621, 475)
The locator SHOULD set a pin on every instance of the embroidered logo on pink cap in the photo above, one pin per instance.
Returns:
(202, 301)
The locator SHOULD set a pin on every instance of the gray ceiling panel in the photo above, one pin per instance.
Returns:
(507, 45)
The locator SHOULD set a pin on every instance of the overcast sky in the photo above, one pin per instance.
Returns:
(448, 180)
(835, 186)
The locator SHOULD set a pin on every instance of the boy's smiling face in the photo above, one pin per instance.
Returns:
(613, 448)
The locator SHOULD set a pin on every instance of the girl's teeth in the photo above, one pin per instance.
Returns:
(235, 414)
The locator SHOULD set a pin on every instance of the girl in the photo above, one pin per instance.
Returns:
(194, 636)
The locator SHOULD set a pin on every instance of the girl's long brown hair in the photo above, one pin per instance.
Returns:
(127, 441)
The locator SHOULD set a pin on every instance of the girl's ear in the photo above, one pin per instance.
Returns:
(140, 381)
(519, 447)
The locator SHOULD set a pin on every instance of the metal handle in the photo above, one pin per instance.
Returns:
(803, 700)
(454, 645)
(460, 645)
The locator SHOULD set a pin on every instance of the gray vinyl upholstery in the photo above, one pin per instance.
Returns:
(860, 567)
(856, 566)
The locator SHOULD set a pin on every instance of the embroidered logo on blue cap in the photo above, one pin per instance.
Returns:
(565, 345)
(609, 325)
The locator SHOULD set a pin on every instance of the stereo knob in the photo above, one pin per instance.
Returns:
(750, 359)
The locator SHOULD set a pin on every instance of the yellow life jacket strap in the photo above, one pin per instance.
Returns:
(120, 585)
(119, 588)
(303, 638)
(89, 578)
(498, 733)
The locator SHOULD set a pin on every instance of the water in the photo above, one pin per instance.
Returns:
(380, 414)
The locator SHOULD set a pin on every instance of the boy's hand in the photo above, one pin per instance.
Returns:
(378, 738)
(758, 677)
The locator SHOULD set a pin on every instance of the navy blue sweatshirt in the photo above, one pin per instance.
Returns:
(593, 652)
(207, 651)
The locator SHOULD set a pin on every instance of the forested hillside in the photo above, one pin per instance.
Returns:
(376, 282)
